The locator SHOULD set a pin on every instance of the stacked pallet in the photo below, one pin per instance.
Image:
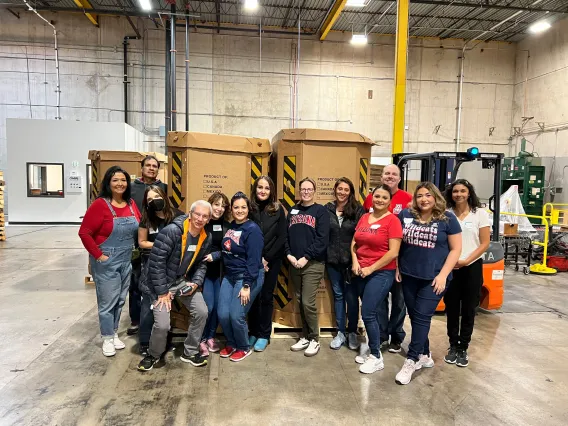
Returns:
(376, 175)
(2, 217)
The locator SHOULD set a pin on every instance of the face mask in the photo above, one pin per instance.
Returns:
(157, 204)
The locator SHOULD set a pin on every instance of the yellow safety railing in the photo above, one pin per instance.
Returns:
(554, 213)
(538, 268)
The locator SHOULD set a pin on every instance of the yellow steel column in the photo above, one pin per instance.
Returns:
(400, 58)
(338, 7)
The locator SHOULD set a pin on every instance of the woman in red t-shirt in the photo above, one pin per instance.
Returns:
(374, 250)
(108, 232)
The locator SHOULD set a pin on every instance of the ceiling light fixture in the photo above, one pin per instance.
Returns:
(356, 3)
(539, 27)
(145, 4)
(251, 4)
(359, 39)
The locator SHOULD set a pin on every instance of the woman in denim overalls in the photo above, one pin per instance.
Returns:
(108, 232)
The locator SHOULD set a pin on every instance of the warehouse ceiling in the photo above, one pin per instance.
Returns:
(466, 19)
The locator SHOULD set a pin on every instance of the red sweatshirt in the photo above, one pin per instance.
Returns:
(98, 223)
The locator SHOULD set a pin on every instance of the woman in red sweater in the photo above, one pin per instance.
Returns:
(108, 232)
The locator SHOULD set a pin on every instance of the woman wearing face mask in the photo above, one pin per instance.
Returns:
(344, 214)
(431, 247)
(374, 249)
(157, 212)
(108, 232)
(217, 227)
(270, 217)
(465, 288)
(306, 249)
(243, 276)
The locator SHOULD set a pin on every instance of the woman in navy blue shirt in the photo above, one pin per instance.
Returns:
(431, 247)
(243, 277)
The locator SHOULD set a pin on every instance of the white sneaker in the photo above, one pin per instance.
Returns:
(404, 376)
(353, 341)
(364, 352)
(118, 344)
(372, 364)
(425, 361)
(313, 348)
(108, 347)
(338, 341)
(300, 345)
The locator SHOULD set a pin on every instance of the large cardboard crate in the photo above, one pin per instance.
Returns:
(101, 161)
(324, 156)
(203, 163)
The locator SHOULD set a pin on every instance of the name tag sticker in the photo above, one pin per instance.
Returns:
(153, 231)
(468, 225)
(217, 228)
(375, 226)
(237, 233)
(192, 248)
(294, 211)
(497, 275)
(408, 220)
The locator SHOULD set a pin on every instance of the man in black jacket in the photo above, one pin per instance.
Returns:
(176, 269)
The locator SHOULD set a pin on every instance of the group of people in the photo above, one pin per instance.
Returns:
(222, 259)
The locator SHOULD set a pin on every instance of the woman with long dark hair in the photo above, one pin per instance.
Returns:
(157, 213)
(243, 275)
(270, 217)
(431, 247)
(218, 225)
(108, 232)
(465, 288)
(344, 214)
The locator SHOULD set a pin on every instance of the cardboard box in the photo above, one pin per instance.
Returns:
(101, 161)
(203, 163)
(511, 229)
(324, 156)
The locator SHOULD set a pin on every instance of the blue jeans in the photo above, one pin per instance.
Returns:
(146, 320)
(421, 302)
(344, 293)
(373, 290)
(211, 288)
(232, 315)
(393, 328)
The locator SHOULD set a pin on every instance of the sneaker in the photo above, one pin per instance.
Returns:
(372, 364)
(338, 341)
(300, 345)
(364, 352)
(261, 345)
(462, 358)
(239, 355)
(197, 360)
(404, 376)
(425, 361)
(118, 344)
(394, 348)
(143, 349)
(252, 340)
(226, 352)
(452, 355)
(213, 345)
(132, 330)
(147, 363)
(353, 341)
(384, 346)
(203, 349)
(108, 347)
(313, 348)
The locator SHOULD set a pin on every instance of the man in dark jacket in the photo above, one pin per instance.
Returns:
(176, 269)
(150, 167)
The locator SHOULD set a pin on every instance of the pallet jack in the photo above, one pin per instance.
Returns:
(441, 168)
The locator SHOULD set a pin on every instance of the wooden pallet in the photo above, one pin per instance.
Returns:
(280, 331)
(89, 280)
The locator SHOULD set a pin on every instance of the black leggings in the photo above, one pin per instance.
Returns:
(260, 314)
(463, 295)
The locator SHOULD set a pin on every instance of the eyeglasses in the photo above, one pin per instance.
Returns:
(307, 190)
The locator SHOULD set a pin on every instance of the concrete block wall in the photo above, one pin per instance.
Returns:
(233, 90)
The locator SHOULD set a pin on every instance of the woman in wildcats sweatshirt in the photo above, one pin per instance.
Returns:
(242, 280)
(306, 247)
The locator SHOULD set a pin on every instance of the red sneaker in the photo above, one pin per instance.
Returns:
(226, 352)
(240, 355)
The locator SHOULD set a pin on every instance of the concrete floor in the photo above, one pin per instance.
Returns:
(52, 370)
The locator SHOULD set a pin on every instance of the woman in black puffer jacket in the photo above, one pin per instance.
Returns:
(344, 213)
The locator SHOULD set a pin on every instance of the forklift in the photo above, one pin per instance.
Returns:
(441, 168)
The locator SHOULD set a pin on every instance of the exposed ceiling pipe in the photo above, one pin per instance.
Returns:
(58, 87)
(125, 71)
(465, 48)
(173, 122)
(187, 73)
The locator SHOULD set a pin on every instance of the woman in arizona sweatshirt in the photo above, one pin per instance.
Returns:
(306, 247)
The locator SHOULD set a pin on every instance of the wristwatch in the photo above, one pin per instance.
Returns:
(246, 286)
